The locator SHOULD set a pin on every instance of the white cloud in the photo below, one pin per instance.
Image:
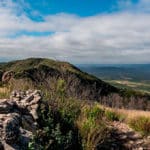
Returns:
(122, 37)
(129, 5)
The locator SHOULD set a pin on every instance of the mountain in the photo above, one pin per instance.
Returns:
(40, 73)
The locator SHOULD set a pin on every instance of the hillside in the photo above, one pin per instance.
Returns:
(44, 74)
(53, 106)
(41, 71)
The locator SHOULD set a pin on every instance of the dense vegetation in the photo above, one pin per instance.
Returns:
(73, 124)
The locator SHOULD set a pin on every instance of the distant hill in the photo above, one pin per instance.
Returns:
(44, 74)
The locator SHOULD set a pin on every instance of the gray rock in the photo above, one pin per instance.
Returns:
(1, 146)
(11, 128)
(18, 117)
(6, 106)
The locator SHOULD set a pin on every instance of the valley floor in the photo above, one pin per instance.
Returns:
(143, 86)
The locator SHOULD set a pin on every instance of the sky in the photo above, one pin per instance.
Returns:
(78, 31)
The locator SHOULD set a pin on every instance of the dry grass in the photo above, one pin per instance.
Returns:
(128, 113)
(3, 89)
(4, 92)
(138, 120)
(133, 113)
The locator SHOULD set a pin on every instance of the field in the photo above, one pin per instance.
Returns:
(133, 76)
(135, 85)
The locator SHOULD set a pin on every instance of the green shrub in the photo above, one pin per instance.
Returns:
(61, 89)
(92, 127)
(55, 132)
(96, 137)
(92, 115)
(70, 110)
(94, 112)
(112, 116)
(141, 124)
(31, 145)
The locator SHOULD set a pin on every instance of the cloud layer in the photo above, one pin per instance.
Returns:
(120, 37)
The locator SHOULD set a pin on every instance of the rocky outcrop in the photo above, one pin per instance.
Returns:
(18, 119)
(7, 76)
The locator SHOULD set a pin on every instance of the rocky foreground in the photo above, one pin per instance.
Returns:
(18, 119)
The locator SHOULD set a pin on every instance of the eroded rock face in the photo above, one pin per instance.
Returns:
(18, 119)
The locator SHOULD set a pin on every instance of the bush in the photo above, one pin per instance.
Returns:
(55, 132)
(70, 124)
(114, 116)
(94, 112)
(92, 127)
(91, 116)
(69, 110)
(96, 137)
(141, 124)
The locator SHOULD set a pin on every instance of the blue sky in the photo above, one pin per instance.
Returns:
(91, 31)
(81, 8)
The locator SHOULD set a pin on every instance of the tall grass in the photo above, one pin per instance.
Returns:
(136, 119)
(4, 92)
(92, 127)
(141, 124)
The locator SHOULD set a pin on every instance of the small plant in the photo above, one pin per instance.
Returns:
(31, 144)
(112, 115)
(70, 110)
(141, 124)
(4, 91)
(96, 137)
(95, 113)
(61, 89)
(92, 127)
